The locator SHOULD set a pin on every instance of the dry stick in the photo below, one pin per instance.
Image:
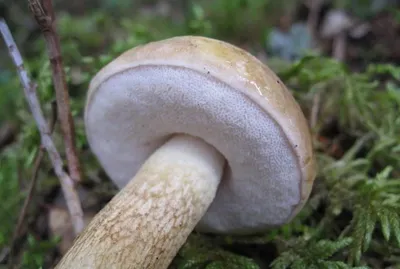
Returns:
(314, 7)
(315, 109)
(44, 15)
(312, 20)
(67, 185)
(338, 54)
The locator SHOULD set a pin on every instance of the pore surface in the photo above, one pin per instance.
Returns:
(134, 112)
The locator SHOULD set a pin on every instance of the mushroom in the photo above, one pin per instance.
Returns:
(338, 26)
(199, 135)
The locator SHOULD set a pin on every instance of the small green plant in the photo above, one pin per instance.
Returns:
(197, 22)
(201, 253)
(313, 255)
(36, 250)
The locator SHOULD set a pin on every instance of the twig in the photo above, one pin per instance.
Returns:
(67, 185)
(314, 7)
(315, 109)
(44, 15)
(38, 160)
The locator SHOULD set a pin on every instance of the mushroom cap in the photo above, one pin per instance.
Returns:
(218, 92)
(335, 23)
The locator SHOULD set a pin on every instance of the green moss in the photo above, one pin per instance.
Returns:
(352, 216)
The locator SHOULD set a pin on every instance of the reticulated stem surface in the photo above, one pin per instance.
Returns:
(148, 221)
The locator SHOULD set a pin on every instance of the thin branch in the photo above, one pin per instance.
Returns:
(315, 109)
(32, 185)
(314, 7)
(44, 15)
(67, 185)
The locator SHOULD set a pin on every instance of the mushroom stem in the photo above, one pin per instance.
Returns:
(339, 46)
(148, 221)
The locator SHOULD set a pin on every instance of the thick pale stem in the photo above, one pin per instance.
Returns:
(339, 46)
(148, 221)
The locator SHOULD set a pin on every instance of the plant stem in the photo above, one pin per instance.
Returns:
(67, 185)
(44, 15)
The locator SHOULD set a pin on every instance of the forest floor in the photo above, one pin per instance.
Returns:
(350, 95)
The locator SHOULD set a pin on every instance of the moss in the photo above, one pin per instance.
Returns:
(351, 218)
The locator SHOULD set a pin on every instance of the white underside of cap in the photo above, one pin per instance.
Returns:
(136, 111)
